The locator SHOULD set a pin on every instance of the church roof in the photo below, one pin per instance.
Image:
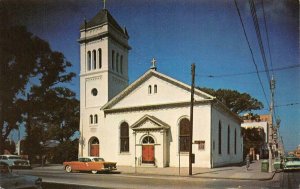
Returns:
(104, 17)
(109, 106)
(147, 75)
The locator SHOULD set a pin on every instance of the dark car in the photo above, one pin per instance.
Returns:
(9, 180)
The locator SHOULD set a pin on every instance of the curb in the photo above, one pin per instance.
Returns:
(195, 177)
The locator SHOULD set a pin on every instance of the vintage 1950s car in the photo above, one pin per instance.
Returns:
(93, 164)
(291, 163)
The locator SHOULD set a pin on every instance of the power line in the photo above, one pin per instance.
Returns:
(258, 35)
(283, 105)
(248, 73)
(269, 49)
(267, 34)
(253, 60)
(290, 104)
(261, 46)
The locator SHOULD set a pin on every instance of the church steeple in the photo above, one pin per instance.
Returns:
(104, 59)
(103, 17)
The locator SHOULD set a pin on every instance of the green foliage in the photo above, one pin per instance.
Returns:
(65, 151)
(19, 50)
(49, 110)
(235, 101)
(253, 138)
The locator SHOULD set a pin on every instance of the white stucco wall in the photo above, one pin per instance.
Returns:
(226, 120)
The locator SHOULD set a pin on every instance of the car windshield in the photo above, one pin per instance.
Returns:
(98, 159)
(14, 157)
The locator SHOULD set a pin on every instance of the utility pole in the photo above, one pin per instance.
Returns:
(270, 133)
(191, 121)
(19, 141)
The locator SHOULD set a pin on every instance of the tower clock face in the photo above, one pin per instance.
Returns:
(94, 92)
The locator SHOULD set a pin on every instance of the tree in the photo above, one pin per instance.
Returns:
(235, 101)
(19, 51)
(65, 151)
(253, 138)
(25, 57)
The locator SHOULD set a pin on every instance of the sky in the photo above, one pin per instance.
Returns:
(178, 33)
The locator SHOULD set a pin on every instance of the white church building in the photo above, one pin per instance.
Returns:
(147, 122)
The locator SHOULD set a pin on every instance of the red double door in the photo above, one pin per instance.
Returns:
(148, 154)
(94, 150)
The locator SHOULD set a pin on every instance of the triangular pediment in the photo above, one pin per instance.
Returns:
(148, 122)
(168, 91)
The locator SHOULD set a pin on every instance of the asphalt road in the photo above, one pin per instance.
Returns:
(59, 179)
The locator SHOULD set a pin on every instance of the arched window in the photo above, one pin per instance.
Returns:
(149, 89)
(220, 138)
(95, 118)
(91, 119)
(184, 135)
(113, 60)
(228, 140)
(155, 88)
(94, 59)
(234, 141)
(95, 141)
(121, 64)
(89, 59)
(148, 140)
(100, 58)
(124, 137)
(117, 62)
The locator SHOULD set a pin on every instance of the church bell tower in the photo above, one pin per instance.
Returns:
(103, 59)
(103, 65)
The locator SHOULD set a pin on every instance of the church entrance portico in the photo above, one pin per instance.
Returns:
(151, 142)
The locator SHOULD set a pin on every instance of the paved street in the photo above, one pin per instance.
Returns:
(226, 177)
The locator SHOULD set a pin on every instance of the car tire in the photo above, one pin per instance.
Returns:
(94, 172)
(68, 169)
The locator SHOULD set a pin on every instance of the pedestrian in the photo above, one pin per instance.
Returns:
(247, 161)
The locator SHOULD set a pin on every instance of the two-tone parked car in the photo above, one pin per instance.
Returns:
(89, 164)
(14, 161)
(291, 163)
(9, 180)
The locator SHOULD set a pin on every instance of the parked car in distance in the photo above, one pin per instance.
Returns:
(9, 180)
(14, 161)
(291, 163)
(89, 164)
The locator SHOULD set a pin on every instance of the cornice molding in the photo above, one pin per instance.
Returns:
(155, 106)
(100, 36)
